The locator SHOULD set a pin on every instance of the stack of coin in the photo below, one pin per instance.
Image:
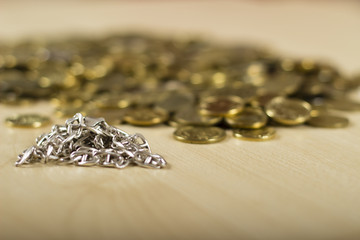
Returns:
(200, 88)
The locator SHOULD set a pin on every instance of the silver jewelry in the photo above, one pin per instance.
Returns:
(86, 141)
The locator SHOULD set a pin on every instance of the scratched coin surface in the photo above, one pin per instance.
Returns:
(250, 117)
(221, 105)
(199, 134)
(145, 116)
(328, 121)
(27, 120)
(288, 111)
(261, 134)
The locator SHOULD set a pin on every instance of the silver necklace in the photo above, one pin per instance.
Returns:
(86, 141)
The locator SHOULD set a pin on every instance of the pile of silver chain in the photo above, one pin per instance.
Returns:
(86, 141)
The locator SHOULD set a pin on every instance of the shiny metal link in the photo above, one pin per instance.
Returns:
(85, 141)
(143, 158)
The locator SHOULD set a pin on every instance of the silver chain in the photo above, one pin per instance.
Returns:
(86, 141)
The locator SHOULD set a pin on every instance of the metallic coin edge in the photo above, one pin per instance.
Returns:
(179, 138)
(272, 136)
(336, 125)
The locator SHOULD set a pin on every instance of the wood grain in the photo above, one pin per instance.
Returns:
(305, 184)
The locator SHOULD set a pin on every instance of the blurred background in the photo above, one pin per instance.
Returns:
(321, 29)
(251, 197)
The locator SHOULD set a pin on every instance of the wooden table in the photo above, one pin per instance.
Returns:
(305, 184)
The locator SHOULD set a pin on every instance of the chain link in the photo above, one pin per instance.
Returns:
(85, 141)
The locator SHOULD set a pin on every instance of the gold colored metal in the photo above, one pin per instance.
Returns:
(199, 134)
(27, 120)
(288, 111)
(221, 106)
(246, 91)
(191, 116)
(343, 104)
(172, 101)
(281, 84)
(129, 76)
(317, 110)
(328, 121)
(145, 116)
(120, 100)
(250, 117)
(261, 134)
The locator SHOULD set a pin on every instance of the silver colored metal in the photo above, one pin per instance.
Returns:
(85, 141)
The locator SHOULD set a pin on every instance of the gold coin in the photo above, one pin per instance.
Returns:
(261, 134)
(263, 99)
(245, 91)
(281, 84)
(343, 104)
(221, 105)
(145, 116)
(288, 111)
(146, 98)
(199, 134)
(191, 116)
(27, 120)
(106, 101)
(172, 101)
(328, 121)
(250, 117)
(317, 110)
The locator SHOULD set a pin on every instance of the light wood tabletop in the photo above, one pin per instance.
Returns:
(304, 184)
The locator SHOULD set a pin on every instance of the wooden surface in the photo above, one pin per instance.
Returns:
(305, 184)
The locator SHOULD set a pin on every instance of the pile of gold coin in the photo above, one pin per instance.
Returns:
(202, 89)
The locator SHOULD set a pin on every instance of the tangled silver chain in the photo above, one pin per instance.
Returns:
(86, 141)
